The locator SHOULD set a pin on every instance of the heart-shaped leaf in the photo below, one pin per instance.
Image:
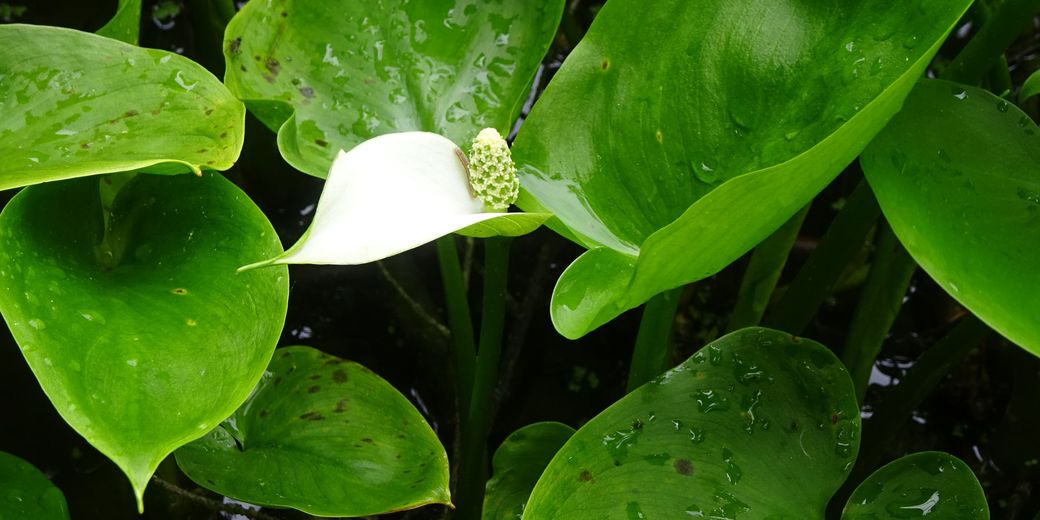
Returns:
(517, 464)
(26, 493)
(393, 193)
(325, 436)
(673, 153)
(932, 484)
(354, 70)
(77, 104)
(758, 424)
(140, 331)
(956, 174)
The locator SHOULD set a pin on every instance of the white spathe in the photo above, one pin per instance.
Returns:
(387, 195)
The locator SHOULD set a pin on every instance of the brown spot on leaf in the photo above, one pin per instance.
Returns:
(322, 143)
(264, 413)
(683, 467)
(313, 389)
(307, 92)
(235, 46)
(339, 376)
(605, 65)
(341, 406)
(315, 377)
(585, 476)
(272, 65)
(367, 440)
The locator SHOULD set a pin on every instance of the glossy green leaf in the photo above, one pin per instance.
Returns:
(26, 493)
(671, 153)
(758, 424)
(325, 436)
(143, 337)
(932, 484)
(77, 104)
(354, 70)
(517, 464)
(125, 26)
(392, 193)
(956, 176)
(1030, 87)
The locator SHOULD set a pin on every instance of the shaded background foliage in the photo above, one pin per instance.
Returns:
(389, 317)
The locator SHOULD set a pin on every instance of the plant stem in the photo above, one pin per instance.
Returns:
(211, 504)
(459, 320)
(763, 271)
(814, 282)
(1002, 28)
(473, 466)
(655, 331)
(878, 306)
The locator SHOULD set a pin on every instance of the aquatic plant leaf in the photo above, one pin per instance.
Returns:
(142, 336)
(125, 26)
(956, 176)
(329, 75)
(393, 193)
(517, 464)
(723, 435)
(27, 493)
(326, 436)
(937, 485)
(76, 104)
(1030, 87)
(672, 154)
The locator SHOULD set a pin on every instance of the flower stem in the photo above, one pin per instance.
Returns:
(655, 331)
(763, 271)
(473, 464)
(463, 344)
(882, 297)
(816, 279)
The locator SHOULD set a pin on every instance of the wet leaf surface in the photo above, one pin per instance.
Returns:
(338, 73)
(325, 436)
(144, 338)
(956, 176)
(932, 484)
(724, 434)
(671, 155)
(77, 104)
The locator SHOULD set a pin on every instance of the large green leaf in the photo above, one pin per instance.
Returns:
(354, 70)
(758, 424)
(957, 174)
(932, 484)
(26, 493)
(518, 463)
(77, 104)
(325, 436)
(143, 336)
(672, 152)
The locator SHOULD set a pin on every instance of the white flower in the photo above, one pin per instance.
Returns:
(398, 191)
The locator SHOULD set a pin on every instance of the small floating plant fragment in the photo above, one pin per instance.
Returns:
(398, 191)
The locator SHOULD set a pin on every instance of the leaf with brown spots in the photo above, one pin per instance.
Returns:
(363, 463)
